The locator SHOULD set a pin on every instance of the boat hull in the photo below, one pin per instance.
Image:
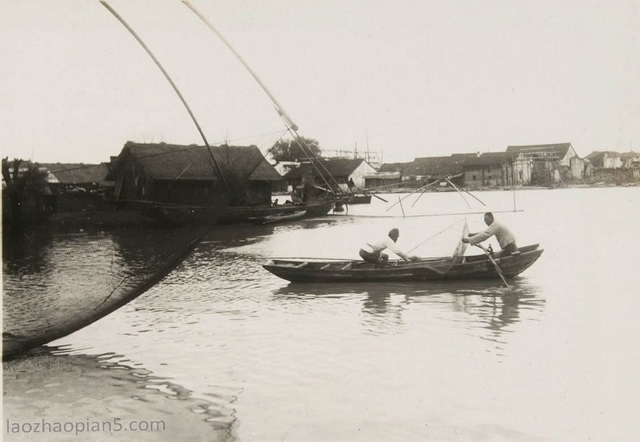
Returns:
(429, 269)
(360, 199)
(242, 214)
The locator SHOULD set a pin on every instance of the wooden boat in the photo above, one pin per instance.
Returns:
(359, 199)
(427, 269)
(180, 215)
(279, 217)
(243, 214)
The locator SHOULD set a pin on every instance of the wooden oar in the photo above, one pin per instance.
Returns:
(495, 264)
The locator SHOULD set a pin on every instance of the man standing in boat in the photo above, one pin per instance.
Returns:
(505, 238)
(372, 252)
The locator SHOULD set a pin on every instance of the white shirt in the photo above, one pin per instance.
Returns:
(382, 244)
(503, 235)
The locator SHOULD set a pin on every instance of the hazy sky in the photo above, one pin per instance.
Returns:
(410, 78)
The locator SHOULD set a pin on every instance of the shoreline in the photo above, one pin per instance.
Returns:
(113, 220)
(494, 188)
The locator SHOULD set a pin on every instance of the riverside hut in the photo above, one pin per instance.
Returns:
(187, 175)
(78, 187)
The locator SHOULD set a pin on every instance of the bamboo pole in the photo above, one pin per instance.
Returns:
(289, 123)
(173, 85)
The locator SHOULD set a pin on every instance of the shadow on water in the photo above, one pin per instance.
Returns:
(234, 235)
(91, 390)
(55, 284)
(494, 307)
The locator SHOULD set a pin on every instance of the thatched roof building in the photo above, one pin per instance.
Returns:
(189, 175)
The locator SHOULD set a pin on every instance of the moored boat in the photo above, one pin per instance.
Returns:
(243, 214)
(426, 269)
(279, 217)
(360, 199)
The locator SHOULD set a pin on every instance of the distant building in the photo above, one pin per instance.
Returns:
(550, 163)
(630, 159)
(463, 170)
(78, 187)
(605, 159)
(490, 169)
(387, 176)
(284, 167)
(426, 170)
(188, 175)
(339, 169)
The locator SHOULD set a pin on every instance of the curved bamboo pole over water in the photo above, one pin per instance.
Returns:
(289, 123)
(173, 85)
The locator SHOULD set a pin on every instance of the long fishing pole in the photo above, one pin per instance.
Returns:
(289, 123)
(175, 88)
(417, 199)
(436, 234)
(435, 214)
(466, 191)
(412, 193)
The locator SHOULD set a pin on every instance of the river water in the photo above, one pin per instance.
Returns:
(222, 350)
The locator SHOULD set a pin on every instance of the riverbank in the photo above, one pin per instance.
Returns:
(111, 220)
(573, 185)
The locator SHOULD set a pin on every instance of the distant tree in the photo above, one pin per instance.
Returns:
(22, 186)
(290, 150)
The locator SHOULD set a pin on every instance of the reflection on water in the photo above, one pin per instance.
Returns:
(51, 386)
(492, 308)
(55, 284)
(228, 350)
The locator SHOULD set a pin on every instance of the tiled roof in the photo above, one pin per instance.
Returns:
(559, 149)
(485, 159)
(434, 166)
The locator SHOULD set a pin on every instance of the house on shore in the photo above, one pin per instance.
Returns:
(605, 159)
(78, 187)
(188, 175)
(550, 163)
(463, 170)
(387, 176)
(630, 159)
(283, 168)
(427, 170)
(339, 169)
(489, 169)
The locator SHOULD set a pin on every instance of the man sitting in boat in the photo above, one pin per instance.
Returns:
(505, 238)
(372, 252)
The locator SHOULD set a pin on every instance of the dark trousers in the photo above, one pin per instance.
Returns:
(374, 258)
(509, 249)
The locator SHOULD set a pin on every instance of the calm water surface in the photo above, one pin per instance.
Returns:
(223, 350)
